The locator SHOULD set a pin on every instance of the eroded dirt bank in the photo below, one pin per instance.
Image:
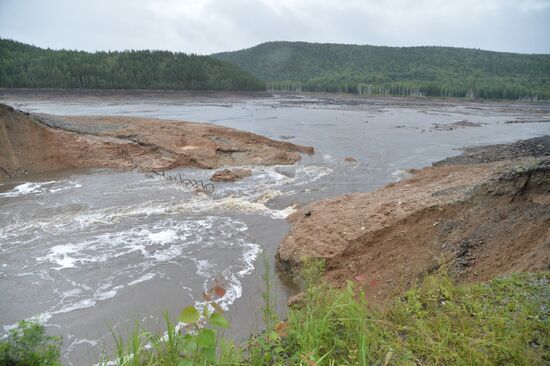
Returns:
(483, 213)
(38, 143)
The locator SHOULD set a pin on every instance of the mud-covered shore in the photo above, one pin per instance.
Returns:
(35, 143)
(483, 213)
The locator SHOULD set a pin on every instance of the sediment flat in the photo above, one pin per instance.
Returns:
(33, 143)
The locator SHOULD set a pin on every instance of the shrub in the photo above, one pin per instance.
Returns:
(28, 345)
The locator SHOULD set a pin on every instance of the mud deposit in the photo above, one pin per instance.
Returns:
(479, 215)
(87, 250)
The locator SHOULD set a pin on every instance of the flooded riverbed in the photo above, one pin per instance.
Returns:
(88, 251)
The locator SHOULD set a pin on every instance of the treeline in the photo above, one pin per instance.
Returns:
(416, 71)
(25, 66)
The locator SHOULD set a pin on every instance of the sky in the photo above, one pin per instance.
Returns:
(209, 26)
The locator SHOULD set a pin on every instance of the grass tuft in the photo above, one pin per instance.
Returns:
(503, 321)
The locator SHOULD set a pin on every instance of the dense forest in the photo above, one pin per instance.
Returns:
(419, 71)
(290, 66)
(25, 66)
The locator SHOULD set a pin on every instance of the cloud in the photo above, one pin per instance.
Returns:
(207, 26)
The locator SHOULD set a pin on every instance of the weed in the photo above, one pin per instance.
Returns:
(504, 321)
(28, 345)
(192, 341)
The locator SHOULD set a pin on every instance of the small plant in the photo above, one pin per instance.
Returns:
(312, 271)
(191, 342)
(502, 322)
(265, 348)
(28, 345)
(269, 311)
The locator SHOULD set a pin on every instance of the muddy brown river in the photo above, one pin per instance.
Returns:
(88, 252)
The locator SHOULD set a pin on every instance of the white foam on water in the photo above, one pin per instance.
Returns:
(400, 174)
(72, 293)
(69, 185)
(129, 240)
(245, 206)
(27, 188)
(309, 174)
(145, 277)
(163, 237)
(250, 197)
(59, 255)
(328, 157)
(156, 244)
(203, 267)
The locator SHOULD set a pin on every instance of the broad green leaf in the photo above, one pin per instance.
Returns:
(189, 347)
(218, 320)
(185, 362)
(210, 354)
(206, 338)
(189, 315)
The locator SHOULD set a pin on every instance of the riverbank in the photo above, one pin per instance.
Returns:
(119, 245)
(481, 214)
(36, 143)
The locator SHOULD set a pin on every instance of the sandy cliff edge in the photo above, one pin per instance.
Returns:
(483, 213)
(37, 143)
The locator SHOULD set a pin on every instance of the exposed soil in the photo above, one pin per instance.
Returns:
(230, 175)
(484, 213)
(37, 143)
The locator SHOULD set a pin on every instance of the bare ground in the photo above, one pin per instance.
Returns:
(38, 143)
(484, 213)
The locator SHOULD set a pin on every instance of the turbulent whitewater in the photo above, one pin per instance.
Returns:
(88, 251)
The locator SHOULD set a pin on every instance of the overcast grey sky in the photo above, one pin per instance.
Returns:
(207, 26)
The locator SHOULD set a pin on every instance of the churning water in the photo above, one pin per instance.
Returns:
(87, 252)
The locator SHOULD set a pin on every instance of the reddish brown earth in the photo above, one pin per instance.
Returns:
(38, 143)
(481, 214)
(230, 175)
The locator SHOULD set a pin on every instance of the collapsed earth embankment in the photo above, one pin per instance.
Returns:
(481, 214)
(38, 143)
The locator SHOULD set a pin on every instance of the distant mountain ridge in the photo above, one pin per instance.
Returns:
(422, 71)
(27, 66)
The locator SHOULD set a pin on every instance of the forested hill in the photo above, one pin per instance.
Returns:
(429, 71)
(26, 66)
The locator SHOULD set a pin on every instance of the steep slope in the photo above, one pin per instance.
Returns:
(432, 71)
(38, 143)
(478, 217)
(25, 66)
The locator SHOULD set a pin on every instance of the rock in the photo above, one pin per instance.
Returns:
(231, 175)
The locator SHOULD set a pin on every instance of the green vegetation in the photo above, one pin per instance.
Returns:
(505, 321)
(195, 343)
(502, 322)
(25, 66)
(290, 66)
(28, 345)
(417, 71)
